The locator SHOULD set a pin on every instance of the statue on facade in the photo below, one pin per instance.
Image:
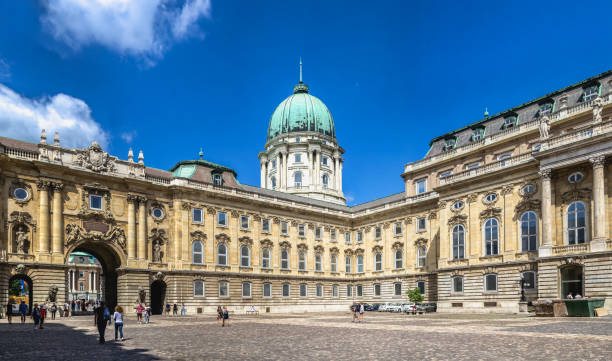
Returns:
(21, 239)
(597, 108)
(142, 295)
(52, 297)
(544, 127)
(157, 252)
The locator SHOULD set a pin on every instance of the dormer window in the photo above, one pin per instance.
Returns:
(545, 108)
(217, 179)
(590, 93)
(510, 121)
(449, 143)
(477, 134)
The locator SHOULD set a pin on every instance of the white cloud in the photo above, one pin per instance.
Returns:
(128, 137)
(144, 28)
(5, 70)
(23, 118)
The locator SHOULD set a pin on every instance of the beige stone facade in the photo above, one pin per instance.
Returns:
(197, 236)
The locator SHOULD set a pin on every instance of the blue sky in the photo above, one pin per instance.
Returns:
(169, 77)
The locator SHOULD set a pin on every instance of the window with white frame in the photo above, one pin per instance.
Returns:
(303, 289)
(421, 186)
(222, 219)
(246, 289)
(421, 286)
(335, 290)
(286, 289)
(298, 158)
(332, 234)
(319, 290)
(347, 263)
(473, 165)
(377, 232)
(546, 108)
(197, 252)
(529, 280)
(576, 223)
(284, 259)
(301, 230)
(575, 177)
(302, 260)
(458, 205)
(273, 182)
(81, 286)
(333, 263)
(510, 121)
(590, 93)
(197, 215)
(445, 174)
(529, 234)
(223, 289)
(297, 179)
(377, 289)
(421, 256)
(349, 291)
(360, 264)
(222, 254)
(490, 282)
(198, 288)
(265, 257)
(95, 202)
(458, 242)
(457, 284)
(324, 160)
(347, 237)
(265, 225)
(318, 232)
(273, 163)
(325, 181)
(318, 265)
(397, 289)
(399, 259)
(477, 134)
(284, 228)
(245, 222)
(359, 290)
(217, 179)
(267, 289)
(491, 233)
(421, 224)
(359, 236)
(503, 159)
(378, 262)
(397, 228)
(491, 197)
(245, 256)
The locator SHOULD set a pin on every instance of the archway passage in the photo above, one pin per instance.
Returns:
(158, 296)
(571, 281)
(20, 289)
(109, 261)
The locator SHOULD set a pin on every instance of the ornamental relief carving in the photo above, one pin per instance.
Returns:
(494, 212)
(285, 245)
(432, 215)
(421, 241)
(319, 249)
(359, 251)
(302, 247)
(456, 273)
(507, 189)
(377, 249)
(95, 159)
(76, 234)
(153, 206)
(348, 252)
(408, 220)
(490, 203)
(334, 250)
(472, 198)
(398, 245)
(266, 243)
(576, 260)
(222, 237)
(441, 204)
(198, 235)
(488, 270)
(525, 205)
(244, 240)
(528, 267)
(576, 194)
(211, 211)
(105, 213)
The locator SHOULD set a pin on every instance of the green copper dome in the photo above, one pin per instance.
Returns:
(301, 112)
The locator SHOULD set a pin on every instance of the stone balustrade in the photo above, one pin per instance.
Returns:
(488, 168)
(577, 136)
(571, 249)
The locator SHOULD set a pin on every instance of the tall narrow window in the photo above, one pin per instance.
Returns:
(198, 288)
(397, 288)
(325, 181)
(378, 261)
(377, 289)
(245, 222)
(273, 182)
(491, 282)
(302, 260)
(378, 232)
(222, 219)
(359, 290)
(457, 284)
(576, 223)
(332, 235)
(421, 256)
(399, 259)
(360, 264)
(223, 289)
(349, 291)
(529, 237)
(298, 158)
(347, 262)
(319, 290)
(335, 291)
(491, 237)
(333, 263)
(265, 258)
(267, 289)
(318, 266)
(347, 237)
(196, 215)
(301, 230)
(197, 252)
(246, 289)
(397, 228)
(529, 280)
(303, 290)
(284, 228)
(222, 254)
(421, 287)
(284, 259)
(265, 225)
(286, 290)
(318, 232)
(297, 179)
(458, 242)
(421, 224)
(245, 256)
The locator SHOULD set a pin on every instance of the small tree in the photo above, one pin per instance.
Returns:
(415, 295)
(15, 288)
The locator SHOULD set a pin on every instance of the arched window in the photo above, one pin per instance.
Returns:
(491, 237)
(529, 236)
(347, 262)
(421, 256)
(360, 263)
(378, 261)
(222, 254)
(297, 179)
(197, 252)
(265, 258)
(333, 263)
(245, 256)
(198, 288)
(325, 180)
(273, 182)
(302, 260)
(284, 259)
(399, 259)
(318, 266)
(458, 242)
(576, 223)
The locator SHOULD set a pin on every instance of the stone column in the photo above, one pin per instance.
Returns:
(264, 172)
(279, 173)
(317, 173)
(599, 204)
(283, 169)
(310, 169)
(545, 249)
(43, 233)
(340, 176)
(142, 228)
(57, 228)
(131, 228)
(336, 172)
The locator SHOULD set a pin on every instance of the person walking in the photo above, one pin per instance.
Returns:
(53, 311)
(36, 315)
(167, 309)
(43, 314)
(147, 313)
(100, 320)
(66, 309)
(9, 312)
(361, 311)
(118, 318)
(139, 310)
(175, 309)
(23, 311)
(219, 314)
(225, 317)
(183, 310)
(354, 310)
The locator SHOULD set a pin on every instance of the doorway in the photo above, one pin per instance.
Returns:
(20, 289)
(158, 297)
(571, 281)
(109, 262)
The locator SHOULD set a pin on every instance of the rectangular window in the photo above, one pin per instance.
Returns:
(421, 186)
(421, 287)
(377, 289)
(324, 160)
(332, 235)
(546, 108)
(284, 228)
(222, 219)
(509, 122)
(318, 233)
(397, 287)
(529, 280)
(286, 290)
(265, 225)
(347, 262)
(245, 222)
(458, 284)
(246, 289)
(273, 164)
(335, 291)
(95, 201)
(503, 159)
(267, 290)
(302, 290)
(301, 230)
(198, 288)
(477, 134)
(223, 289)
(196, 215)
(347, 237)
(378, 232)
(359, 290)
(217, 179)
(491, 283)
(81, 275)
(359, 236)
(472, 166)
(591, 93)
(319, 290)
(298, 158)
(81, 286)
(349, 291)
(445, 174)
(421, 224)
(360, 263)
(397, 228)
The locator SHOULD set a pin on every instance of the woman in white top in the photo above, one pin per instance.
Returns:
(118, 318)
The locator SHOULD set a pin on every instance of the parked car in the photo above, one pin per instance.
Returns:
(369, 307)
(394, 307)
(429, 307)
(384, 307)
(409, 307)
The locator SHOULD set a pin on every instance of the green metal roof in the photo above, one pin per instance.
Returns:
(186, 168)
(301, 112)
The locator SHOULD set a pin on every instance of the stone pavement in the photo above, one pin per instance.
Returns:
(321, 336)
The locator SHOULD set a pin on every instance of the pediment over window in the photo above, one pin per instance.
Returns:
(493, 212)
(525, 205)
(266, 243)
(398, 245)
(285, 245)
(359, 251)
(377, 249)
(319, 249)
(302, 247)
(421, 241)
(198, 235)
(334, 250)
(457, 219)
(576, 194)
(222, 237)
(348, 252)
(245, 240)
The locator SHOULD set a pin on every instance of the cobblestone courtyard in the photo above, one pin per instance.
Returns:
(318, 336)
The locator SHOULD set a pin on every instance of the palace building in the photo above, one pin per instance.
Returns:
(520, 199)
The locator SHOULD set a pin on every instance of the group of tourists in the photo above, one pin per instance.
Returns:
(102, 318)
(358, 310)
(174, 309)
(38, 313)
(222, 316)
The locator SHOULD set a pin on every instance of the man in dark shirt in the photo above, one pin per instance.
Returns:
(100, 320)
